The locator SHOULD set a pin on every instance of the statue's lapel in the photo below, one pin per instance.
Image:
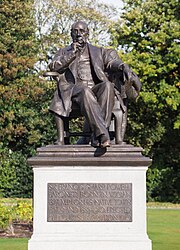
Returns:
(97, 61)
(94, 54)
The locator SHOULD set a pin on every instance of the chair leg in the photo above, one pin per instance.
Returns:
(60, 130)
(66, 131)
(118, 119)
(124, 124)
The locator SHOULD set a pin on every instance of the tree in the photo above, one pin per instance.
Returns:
(23, 102)
(148, 36)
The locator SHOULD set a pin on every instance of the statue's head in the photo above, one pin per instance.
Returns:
(80, 32)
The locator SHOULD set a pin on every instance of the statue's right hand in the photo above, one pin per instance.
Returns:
(74, 47)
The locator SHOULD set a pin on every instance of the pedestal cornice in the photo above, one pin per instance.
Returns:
(85, 155)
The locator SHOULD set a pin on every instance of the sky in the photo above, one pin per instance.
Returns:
(115, 3)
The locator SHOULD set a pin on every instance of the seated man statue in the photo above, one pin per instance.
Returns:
(83, 79)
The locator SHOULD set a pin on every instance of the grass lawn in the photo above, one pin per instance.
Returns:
(163, 230)
(14, 244)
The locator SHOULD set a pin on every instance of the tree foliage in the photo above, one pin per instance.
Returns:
(148, 36)
(23, 100)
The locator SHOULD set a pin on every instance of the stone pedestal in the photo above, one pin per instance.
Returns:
(87, 199)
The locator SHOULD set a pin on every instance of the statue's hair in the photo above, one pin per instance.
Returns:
(81, 22)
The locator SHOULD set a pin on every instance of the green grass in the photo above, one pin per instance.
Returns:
(163, 230)
(14, 244)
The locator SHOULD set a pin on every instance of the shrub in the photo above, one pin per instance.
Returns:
(13, 211)
(5, 217)
(15, 174)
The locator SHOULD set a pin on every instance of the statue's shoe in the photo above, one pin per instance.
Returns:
(105, 144)
(104, 141)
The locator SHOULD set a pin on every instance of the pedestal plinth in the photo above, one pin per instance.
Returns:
(87, 199)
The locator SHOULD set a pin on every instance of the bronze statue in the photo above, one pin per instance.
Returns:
(85, 73)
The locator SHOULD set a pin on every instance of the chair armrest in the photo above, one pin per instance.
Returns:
(50, 73)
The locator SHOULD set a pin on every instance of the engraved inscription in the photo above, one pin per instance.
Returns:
(89, 202)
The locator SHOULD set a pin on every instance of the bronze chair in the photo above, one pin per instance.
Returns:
(118, 123)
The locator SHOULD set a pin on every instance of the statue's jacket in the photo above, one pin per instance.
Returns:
(102, 61)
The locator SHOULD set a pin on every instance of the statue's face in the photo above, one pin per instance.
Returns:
(80, 33)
